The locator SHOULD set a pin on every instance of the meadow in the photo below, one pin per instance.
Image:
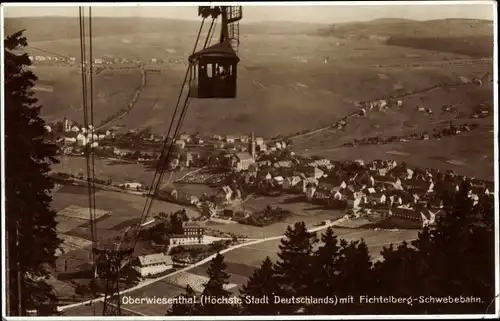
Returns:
(117, 171)
(112, 91)
(277, 93)
(121, 206)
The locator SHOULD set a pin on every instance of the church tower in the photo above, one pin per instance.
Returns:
(252, 146)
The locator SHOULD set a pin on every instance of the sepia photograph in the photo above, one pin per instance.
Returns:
(252, 160)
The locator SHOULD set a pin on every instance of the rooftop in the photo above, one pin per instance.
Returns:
(155, 259)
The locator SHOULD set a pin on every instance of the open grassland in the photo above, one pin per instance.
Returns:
(473, 150)
(113, 90)
(301, 211)
(122, 207)
(276, 93)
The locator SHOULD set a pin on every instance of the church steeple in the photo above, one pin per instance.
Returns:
(252, 146)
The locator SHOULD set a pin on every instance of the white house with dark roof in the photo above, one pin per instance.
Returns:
(151, 264)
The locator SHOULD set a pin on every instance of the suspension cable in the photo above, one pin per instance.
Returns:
(92, 122)
(90, 165)
(164, 158)
(209, 32)
(213, 32)
(85, 114)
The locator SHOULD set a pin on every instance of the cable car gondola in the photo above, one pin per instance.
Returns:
(213, 71)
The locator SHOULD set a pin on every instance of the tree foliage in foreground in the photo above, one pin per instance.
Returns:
(30, 222)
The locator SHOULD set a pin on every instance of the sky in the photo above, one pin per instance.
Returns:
(255, 13)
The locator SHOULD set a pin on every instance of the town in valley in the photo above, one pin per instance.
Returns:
(362, 127)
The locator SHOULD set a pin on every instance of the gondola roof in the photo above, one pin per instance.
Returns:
(219, 49)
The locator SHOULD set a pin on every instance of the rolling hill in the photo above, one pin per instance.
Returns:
(57, 28)
(463, 36)
(290, 79)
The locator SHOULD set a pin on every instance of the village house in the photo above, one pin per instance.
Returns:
(218, 144)
(406, 213)
(224, 194)
(312, 171)
(259, 141)
(291, 182)
(283, 164)
(278, 180)
(307, 182)
(151, 264)
(185, 137)
(180, 143)
(230, 139)
(261, 147)
(242, 161)
(243, 139)
(131, 185)
(217, 137)
(309, 189)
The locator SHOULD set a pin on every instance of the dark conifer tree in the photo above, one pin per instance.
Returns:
(30, 222)
(455, 258)
(354, 276)
(325, 267)
(186, 309)
(215, 287)
(262, 284)
(294, 267)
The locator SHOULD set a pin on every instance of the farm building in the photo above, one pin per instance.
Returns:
(151, 264)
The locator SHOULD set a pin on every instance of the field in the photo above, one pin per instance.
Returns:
(277, 93)
(117, 171)
(301, 211)
(473, 149)
(122, 206)
(112, 91)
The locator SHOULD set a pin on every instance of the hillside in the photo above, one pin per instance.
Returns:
(56, 28)
(463, 36)
(285, 85)
(409, 28)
